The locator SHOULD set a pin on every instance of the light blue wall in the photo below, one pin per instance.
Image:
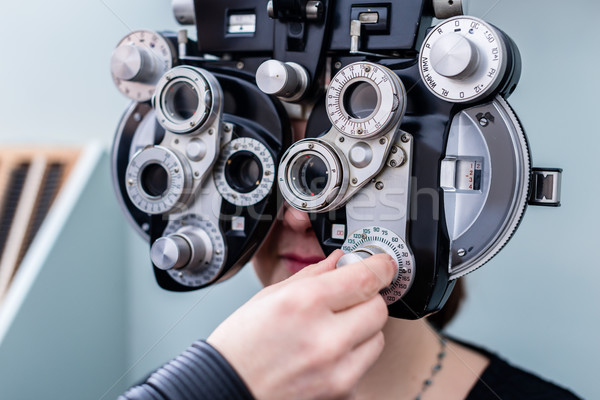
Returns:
(536, 303)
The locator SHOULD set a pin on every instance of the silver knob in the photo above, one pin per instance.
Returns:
(351, 258)
(184, 11)
(133, 63)
(360, 254)
(186, 248)
(287, 81)
(454, 56)
(445, 9)
(170, 252)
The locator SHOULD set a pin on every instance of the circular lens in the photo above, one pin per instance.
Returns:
(360, 100)
(181, 101)
(310, 175)
(154, 180)
(243, 171)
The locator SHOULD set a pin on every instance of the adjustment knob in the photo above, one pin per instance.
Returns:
(133, 63)
(454, 56)
(351, 258)
(189, 247)
(287, 81)
(360, 254)
(138, 62)
(170, 252)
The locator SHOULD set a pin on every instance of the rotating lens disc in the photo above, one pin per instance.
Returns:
(156, 180)
(365, 100)
(245, 172)
(186, 99)
(311, 175)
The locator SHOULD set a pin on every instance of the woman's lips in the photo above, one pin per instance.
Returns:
(295, 262)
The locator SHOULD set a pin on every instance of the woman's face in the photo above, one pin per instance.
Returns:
(291, 244)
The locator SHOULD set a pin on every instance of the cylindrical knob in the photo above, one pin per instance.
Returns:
(132, 63)
(190, 247)
(454, 56)
(445, 9)
(184, 11)
(360, 254)
(351, 258)
(288, 81)
(170, 252)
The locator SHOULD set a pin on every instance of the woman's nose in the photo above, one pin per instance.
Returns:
(296, 220)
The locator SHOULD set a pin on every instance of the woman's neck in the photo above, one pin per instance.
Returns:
(408, 359)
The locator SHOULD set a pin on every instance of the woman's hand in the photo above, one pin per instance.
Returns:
(312, 336)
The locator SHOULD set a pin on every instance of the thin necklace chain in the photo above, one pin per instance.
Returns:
(435, 370)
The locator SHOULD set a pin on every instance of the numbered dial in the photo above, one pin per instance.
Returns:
(205, 267)
(157, 180)
(392, 244)
(463, 59)
(365, 100)
(245, 172)
(139, 61)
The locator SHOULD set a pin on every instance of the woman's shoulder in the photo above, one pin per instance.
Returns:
(501, 380)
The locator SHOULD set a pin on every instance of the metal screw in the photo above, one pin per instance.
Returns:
(379, 185)
(196, 174)
(341, 139)
(227, 128)
(176, 141)
(311, 146)
(354, 181)
(359, 131)
(176, 170)
(337, 65)
(483, 121)
(218, 252)
(363, 236)
(382, 141)
(192, 124)
(130, 182)
(180, 274)
(236, 146)
(393, 163)
(168, 77)
(304, 205)
(405, 138)
(367, 69)
(239, 65)
(267, 173)
(394, 150)
(211, 131)
(137, 117)
(461, 252)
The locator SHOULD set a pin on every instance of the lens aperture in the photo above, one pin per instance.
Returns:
(310, 175)
(360, 100)
(243, 171)
(181, 101)
(154, 180)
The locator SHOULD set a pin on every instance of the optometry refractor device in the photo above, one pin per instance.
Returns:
(411, 148)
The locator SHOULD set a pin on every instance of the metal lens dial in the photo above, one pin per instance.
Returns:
(385, 240)
(184, 99)
(365, 100)
(156, 180)
(463, 59)
(245, 171)
(138, 62)
(311, 175)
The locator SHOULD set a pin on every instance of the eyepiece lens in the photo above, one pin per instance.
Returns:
(310, 175)
(154, 180)
(360, 100)
(243, 171)
(181, 101)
